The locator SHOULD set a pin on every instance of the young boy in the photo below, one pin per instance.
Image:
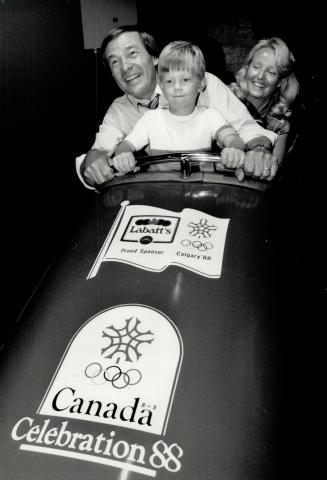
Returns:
(183, 126)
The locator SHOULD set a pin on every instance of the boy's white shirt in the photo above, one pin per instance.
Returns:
(161, 130)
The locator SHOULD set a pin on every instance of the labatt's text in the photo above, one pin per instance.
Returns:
(43, 434)
(154, 230)
(65, 400)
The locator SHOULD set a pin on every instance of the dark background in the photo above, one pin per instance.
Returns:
(53, 97)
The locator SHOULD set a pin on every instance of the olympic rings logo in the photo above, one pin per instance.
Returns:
(203, 247)
(112, 374)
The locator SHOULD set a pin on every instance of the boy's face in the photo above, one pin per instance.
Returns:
(181, 89)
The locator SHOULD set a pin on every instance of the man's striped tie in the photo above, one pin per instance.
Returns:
(154, 102)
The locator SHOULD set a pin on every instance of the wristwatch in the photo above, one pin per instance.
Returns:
(260, 148)
(259, 144)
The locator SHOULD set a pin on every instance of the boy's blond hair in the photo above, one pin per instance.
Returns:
(181, 55)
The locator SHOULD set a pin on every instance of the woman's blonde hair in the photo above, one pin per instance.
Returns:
(181, 55)
(288, 86)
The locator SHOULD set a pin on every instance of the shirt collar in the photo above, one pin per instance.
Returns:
(157, 91)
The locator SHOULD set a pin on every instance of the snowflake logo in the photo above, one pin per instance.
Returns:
(201, 229)
(126, 341)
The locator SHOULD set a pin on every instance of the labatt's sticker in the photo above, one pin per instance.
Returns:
(153, 238)
(121, 368)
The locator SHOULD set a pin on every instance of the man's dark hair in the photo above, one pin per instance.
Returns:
(148, 41)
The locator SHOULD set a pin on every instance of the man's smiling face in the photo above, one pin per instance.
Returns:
(132, 67)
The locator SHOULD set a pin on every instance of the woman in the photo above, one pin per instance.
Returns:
(267, 85)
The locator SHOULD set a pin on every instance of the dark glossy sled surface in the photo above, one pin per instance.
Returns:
(219, 338)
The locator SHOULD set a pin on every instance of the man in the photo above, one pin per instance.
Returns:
(132, 57)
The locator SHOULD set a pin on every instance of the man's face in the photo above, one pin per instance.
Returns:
(132, 67)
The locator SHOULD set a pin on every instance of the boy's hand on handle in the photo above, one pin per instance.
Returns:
(124, 162)
(232, 157)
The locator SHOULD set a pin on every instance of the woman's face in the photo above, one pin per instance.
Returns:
(262, 76)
